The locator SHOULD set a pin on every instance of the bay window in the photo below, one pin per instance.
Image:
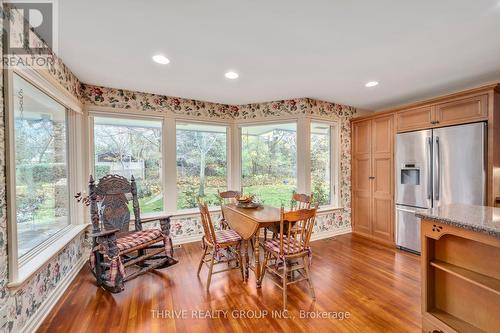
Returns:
(131, 147)
(269, 162)
(41, 166)
(201, 151)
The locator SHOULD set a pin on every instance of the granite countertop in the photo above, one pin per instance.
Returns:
(476, 218)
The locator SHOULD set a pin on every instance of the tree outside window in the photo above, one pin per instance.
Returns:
(269, 162)
(201, 163)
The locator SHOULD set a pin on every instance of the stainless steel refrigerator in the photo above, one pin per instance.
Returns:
(437, 167)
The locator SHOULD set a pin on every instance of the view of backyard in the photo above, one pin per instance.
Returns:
(42, 198)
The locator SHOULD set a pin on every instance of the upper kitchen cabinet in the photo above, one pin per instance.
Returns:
(454, 111)
(462, 111)
(414, 119)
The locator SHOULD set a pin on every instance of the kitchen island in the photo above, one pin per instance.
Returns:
(460, 269)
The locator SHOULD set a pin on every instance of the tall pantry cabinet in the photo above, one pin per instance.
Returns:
(373, 177)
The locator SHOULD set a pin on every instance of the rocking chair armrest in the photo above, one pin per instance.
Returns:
(104, 233)
(152, 219)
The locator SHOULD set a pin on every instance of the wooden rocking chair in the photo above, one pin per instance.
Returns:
(119, 255)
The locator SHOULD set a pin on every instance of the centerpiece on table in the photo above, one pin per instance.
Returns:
(248, 201)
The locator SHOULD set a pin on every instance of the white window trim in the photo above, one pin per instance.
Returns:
(334, 162)
(233, 151)
(20, 269)
(229, 174)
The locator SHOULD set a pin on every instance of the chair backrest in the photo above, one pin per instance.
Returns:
(296, 227)
(206, 221)
(301, 201)
(227, 197)
(109, 204)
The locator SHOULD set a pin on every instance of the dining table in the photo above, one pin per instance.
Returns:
(248, 223)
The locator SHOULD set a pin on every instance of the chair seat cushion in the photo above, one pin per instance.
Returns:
(227, 236)
(137, 238)
(292, 248)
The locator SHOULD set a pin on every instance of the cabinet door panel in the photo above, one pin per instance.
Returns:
(414, 119)
(362, 194)
(382, 184)
(382, 204)
(382, 220)
(362, 137)
(461, 111)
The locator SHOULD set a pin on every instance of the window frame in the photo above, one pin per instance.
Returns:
(21, 268)
(228, 157)
(113, 115)
(298, 171)
(334, 161)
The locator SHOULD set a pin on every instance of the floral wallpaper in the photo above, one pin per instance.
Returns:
(126, 99)
(19, 305)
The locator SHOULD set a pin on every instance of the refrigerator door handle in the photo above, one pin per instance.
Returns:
(437, 179)
(429, 168)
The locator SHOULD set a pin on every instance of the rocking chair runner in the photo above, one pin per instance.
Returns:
(115, 249)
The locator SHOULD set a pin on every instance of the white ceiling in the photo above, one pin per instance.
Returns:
(284, 48)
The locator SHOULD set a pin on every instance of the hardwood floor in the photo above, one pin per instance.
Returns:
(378, 286)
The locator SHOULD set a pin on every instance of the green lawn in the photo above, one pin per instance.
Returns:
(272, 195)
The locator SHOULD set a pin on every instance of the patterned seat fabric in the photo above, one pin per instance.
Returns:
(137, 238)
(274, 245)
(227, 236)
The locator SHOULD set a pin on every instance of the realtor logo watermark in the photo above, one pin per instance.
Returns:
(31, 33)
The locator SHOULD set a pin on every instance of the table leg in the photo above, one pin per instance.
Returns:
(247, 259)
(257, 260)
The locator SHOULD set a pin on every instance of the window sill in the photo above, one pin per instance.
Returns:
(34, 264)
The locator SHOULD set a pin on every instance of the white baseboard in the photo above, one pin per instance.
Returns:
(38, 317)
(327, 234)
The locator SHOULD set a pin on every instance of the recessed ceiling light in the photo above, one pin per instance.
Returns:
(231, 75)
(371, 84)
(161, 59)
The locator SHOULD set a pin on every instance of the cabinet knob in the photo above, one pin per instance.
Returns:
(371, 177)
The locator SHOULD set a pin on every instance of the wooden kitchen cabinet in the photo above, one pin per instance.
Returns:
(456, 111)
(372, 178)
(414, 119)
(462, 111)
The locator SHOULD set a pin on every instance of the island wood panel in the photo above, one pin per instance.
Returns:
(460, 285)
(379, 286)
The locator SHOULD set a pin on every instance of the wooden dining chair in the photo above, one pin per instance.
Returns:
(222, 246)
(279, 252)
(301, 201)
(225, 198)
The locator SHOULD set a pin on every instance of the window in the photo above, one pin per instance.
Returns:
(269, 162)
(201, 163)
(131, 147)
(41, 166)
(321, 162)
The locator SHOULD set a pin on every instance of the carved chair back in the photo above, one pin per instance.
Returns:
(301, 201)
(206, 221)
(109, 204)
(227, 197)
(296, 229)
